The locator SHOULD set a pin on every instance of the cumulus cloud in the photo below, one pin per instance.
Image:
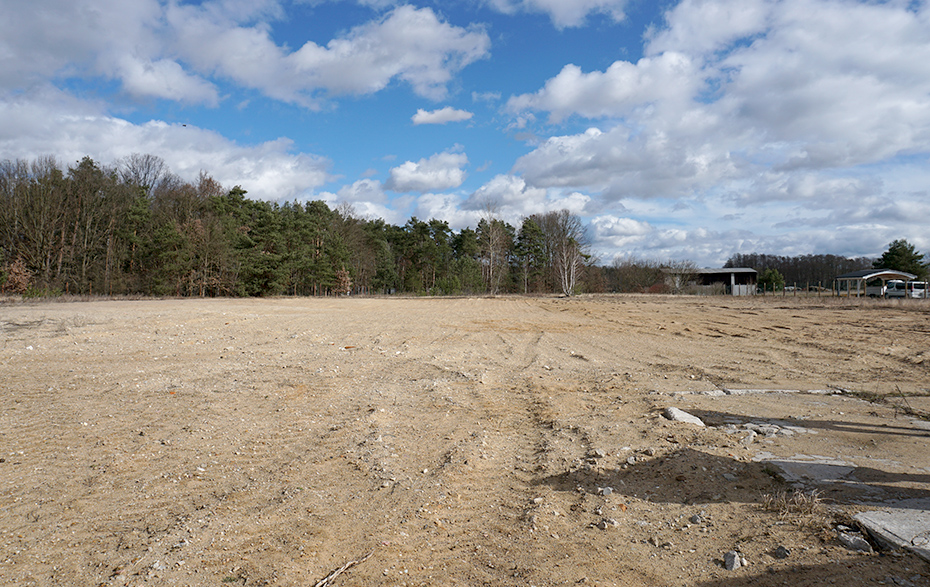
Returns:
(72, 36)
(441, 116)
(563, 13)
(164, 79)
(268, 170)
(810, 113)
(621, 164)
(619, 232)
(368, 200)
(179, 51)
(441, 171)
(731, 90)
(447, 207)
(408, 44)
(706, 26)
(113, 39)
(618, 91)
(363, 190)
(512, 199)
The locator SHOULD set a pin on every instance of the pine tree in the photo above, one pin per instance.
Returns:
(902, 256)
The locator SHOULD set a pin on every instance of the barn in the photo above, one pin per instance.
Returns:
(736, 281)
(732, 281)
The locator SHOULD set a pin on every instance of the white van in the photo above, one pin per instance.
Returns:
(917, 289)
(895, 289)
(910, 289)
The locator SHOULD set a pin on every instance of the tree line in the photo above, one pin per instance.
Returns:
(801, 270)
(777, 271)
(135, 228)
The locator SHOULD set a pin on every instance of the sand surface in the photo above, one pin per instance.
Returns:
(456, 441)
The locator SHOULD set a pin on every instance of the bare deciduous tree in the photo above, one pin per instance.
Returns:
(146, 171)
(571, 249)
(495, 246)
(680, 274)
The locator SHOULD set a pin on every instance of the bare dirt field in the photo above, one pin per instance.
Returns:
(506, 441)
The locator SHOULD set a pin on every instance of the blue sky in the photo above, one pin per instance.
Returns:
(676, 130)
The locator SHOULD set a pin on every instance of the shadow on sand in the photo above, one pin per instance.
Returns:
(689, 476)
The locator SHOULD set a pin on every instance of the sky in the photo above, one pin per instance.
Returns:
(677, 130)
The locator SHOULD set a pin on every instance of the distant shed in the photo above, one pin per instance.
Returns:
(732, 281)
(737, 281)
(859, 278)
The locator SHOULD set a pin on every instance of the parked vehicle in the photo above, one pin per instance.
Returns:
(906, 289)
(877, 290)
(895, 289)
(917, 289)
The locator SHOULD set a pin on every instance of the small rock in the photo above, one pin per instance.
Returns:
(677, 415)
(732, 560)
(697, 519)
(730, 477)
(781, 552)
(599, 453)
(854, 541)
(631, 461)
(605, 491)
(748, 439)
(607, 523)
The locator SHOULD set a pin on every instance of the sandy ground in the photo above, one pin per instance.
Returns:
(456, 441)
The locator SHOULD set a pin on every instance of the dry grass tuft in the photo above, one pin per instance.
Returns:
(799, 507)
(885, 398)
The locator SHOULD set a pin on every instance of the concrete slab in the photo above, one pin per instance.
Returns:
(814, 470)
(907, 526)
(899, 524)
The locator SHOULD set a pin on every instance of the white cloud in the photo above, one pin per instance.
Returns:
(704, 26)
(512, 199)
(618, 91)
(489, 97)
(269, 170)
(172, 51)
(731, 91)
(810, 117)
(441, 116)
(113, 39)
(42, 40)
(563, 13)
(363, 190)
(164, 79)
(619, 232)
(510, 195)
(447, 207)
(442, 171)
(515, 203)
(621, 164)
(408, 44)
